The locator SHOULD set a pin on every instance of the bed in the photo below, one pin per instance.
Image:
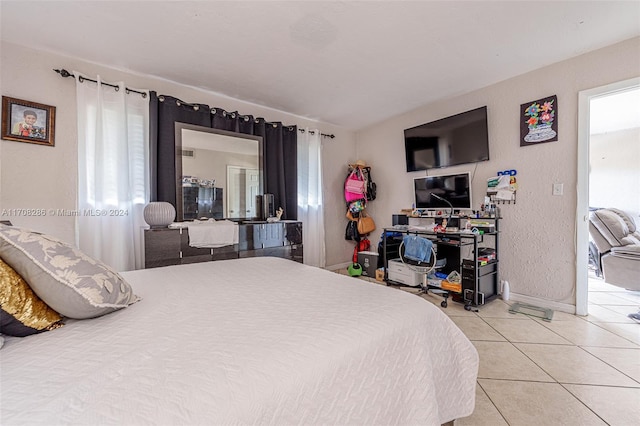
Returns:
(245, 341)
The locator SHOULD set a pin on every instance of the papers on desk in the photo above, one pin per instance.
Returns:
(429, 228)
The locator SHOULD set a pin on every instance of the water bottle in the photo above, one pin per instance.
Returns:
(505, 290)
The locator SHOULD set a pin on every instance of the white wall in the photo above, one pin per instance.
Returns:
(35, 177)
(614, 173)
(538, 255)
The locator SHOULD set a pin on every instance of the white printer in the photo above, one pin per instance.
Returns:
(402, 273)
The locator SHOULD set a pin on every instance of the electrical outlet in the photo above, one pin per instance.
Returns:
(558, 188)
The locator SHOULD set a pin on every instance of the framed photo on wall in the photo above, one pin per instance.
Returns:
(25, 121)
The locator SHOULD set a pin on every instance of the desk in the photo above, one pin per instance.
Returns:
(465, 253)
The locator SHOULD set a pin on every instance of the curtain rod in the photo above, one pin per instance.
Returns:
(64, 73)
(214, 110)
(321, 134)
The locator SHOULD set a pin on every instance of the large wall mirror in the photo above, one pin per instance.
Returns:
(219, 173)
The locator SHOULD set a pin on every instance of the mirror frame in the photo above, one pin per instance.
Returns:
(178, 138)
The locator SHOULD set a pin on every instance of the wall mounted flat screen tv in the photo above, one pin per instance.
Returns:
(455, 188)
(459, 139)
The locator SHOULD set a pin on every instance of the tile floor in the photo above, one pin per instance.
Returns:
(570, 371)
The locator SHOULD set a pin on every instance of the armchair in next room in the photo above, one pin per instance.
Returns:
(617, 239)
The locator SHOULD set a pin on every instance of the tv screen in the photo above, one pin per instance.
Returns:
(454, 188)
(459, 139)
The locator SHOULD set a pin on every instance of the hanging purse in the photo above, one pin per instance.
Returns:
(351, 216)
(366, 224)
(354, 186)
(351, 231)
(357, 206)
(371, 185)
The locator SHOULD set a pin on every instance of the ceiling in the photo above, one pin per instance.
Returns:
(347, 63)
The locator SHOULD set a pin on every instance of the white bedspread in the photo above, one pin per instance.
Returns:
(245, 341)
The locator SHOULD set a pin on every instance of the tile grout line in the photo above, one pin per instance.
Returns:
(584, 403)
(612, 366)
(494, 404)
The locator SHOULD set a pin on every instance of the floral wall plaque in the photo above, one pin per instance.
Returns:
(539, 121)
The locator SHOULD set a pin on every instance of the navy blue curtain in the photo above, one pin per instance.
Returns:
(281, 174)
(279, 143)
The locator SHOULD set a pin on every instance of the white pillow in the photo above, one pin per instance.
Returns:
(69, 281)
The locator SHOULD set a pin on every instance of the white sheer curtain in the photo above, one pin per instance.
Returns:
(113, 173)
(310, 198)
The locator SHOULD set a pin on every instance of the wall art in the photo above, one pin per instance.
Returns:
(539, 121)
(25, 121)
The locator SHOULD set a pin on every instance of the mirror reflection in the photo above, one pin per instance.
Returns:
(220, 173)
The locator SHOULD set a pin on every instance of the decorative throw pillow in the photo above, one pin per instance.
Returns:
(66, 279)
(22, 312)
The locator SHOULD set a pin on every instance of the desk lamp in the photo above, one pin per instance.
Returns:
(446, 201)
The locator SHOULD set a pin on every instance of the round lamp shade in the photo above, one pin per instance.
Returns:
(159, 214)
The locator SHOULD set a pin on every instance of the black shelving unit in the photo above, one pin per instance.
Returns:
(201, 202)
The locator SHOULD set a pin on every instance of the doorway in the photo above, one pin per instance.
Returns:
(586, 121)
(243, 185)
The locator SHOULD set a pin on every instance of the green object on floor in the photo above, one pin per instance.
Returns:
(534, 311)
(354, 270)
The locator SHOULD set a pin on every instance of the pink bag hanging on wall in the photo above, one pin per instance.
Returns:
(354, 187)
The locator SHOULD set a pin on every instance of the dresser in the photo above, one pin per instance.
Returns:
(164, 246)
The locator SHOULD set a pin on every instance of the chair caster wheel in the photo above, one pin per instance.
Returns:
(467, 307)
(443, 304)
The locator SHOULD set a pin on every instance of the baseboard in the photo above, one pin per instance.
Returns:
(338, 266)
(543, 303)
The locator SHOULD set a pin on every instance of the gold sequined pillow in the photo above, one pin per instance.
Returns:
(22, 312)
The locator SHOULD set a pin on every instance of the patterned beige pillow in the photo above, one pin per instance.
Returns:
(70, 282)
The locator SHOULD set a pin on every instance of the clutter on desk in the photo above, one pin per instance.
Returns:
(481, 226)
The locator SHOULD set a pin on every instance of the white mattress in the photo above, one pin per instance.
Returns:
(245, 341)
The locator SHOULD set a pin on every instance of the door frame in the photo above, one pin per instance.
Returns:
(230, 193)
(582, 205)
